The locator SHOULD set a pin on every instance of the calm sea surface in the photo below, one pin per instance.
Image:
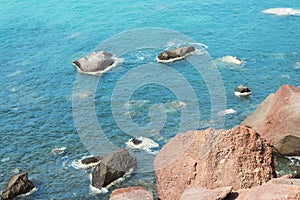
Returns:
(39, 40)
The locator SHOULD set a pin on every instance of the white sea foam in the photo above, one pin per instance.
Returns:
(282, 11)
(28, 193)
(231, 60)
(242, 94)
(58, 150)
(81, 95)
(229, 111)
(146, 144)
(17, 72)
(297, 65)
(5, 159)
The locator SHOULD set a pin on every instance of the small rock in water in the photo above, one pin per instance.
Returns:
(175, 54)
(91, 160)
(242, 91)
(18, 184)
(136, 141)
(112, 167)
(96, 63)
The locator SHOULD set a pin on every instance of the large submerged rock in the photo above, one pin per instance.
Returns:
(96, 63)
(175, 54)
(277, 119)
(237, 158)
(18, 184)
(132, 193)
(112, 167)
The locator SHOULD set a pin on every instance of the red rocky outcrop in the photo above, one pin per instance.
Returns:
(237, 158)
(277, 119)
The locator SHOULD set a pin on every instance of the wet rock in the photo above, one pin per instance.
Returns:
(242, 91)
(112, 167)
(277, 120)
(95, 63)
(132, 193)
(279, 189)
(203, 193)
(91, 160)
(176, 54)
(238, 157)
(136, 141)
(18, 184)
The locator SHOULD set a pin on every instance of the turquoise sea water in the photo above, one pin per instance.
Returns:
(39, 40)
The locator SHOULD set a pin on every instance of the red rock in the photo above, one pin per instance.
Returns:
(277, 119)
(279, 189)
(132, 193)
(213, 158)
(203, 193)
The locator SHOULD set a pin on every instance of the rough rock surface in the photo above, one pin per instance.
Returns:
(277, 120)
(213, 158)
(203, 193)
(112, 167)
(95, 62)
(132, 193)
(171, 55)
(16, 185)
(279, 189)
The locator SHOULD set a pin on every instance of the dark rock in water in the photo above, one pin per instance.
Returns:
(176, 54)
(112, 167)
(16, 185)
(95, 62)
(136, 141)
(242, 91)
(91, 160)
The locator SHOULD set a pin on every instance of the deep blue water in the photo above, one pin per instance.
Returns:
(39, 40)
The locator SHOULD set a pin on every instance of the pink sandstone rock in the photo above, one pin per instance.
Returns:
(237, 158)
(203, 193)
(277, 119)
(132, 193)
(279, 189)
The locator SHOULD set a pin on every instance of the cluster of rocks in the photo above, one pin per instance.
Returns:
(231, 164)
(211, 164)
(100, 62)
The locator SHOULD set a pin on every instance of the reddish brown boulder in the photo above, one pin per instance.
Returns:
(277, 119)
(213, 158)
(279, 189)
(132, 193)
(203, 193)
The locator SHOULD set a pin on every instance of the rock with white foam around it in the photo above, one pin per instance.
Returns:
(96, 63)
(175, 54)
(112, 167)
(18, 184)
(242, 91)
